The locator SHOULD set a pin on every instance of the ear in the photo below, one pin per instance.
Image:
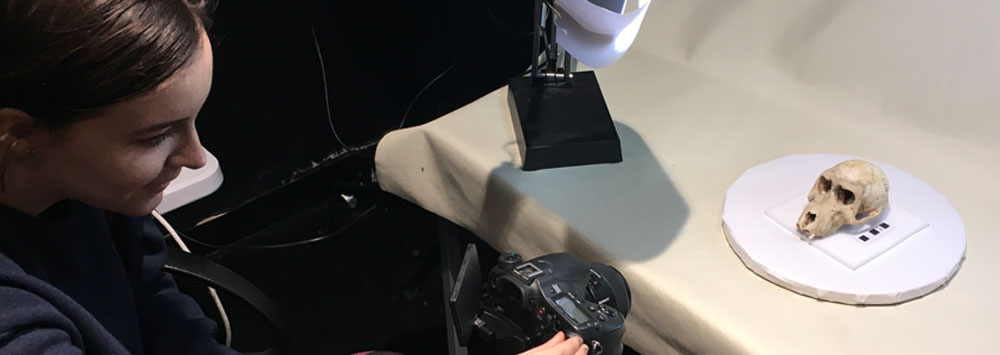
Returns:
(18, 126)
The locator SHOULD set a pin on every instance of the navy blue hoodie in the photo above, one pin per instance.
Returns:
(77, 280)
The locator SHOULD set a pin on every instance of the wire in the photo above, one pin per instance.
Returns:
(402, 122)
(211, 290)
(326, 94)
(489, 11)
(319, 238)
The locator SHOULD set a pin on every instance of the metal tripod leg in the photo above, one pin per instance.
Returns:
(451, 260)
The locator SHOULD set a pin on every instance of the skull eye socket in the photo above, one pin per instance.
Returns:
(824, 184)
(845, 196)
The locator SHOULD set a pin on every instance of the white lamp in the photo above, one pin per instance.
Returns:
(192, 185)
(559, 114)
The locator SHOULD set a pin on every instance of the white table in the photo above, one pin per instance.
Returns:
(709, 90)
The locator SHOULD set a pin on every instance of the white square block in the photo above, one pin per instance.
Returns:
(852, 246)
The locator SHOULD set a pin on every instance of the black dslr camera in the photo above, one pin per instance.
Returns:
(524, 303)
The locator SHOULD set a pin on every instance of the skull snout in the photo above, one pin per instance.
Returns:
(806, 222)
(816, 222)
(829, 208)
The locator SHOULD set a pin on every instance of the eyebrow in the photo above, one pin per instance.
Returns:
(160, 126)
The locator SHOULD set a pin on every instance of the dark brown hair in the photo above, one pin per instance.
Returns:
(63, 59)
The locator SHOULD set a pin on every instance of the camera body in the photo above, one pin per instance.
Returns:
(528, 302)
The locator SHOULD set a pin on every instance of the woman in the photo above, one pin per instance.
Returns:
(97, 108)
(98, 100)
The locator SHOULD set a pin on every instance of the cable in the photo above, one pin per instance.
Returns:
(489, 11)
(211, 290)
(326, 94)
(408, 107)
(319, 238)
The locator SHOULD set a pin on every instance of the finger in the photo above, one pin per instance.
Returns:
(582, 350)
(556, 339)
(568, 347)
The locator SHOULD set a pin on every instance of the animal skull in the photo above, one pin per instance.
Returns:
(852, 192)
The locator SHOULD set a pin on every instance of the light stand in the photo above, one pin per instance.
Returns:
(559, 115)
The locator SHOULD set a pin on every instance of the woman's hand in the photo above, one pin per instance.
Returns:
(559, 345)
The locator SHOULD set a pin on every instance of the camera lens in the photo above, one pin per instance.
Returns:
(609, 284)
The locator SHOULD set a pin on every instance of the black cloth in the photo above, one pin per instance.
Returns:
(78, 280)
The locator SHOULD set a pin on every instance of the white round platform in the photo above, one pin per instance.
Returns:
(916, 266)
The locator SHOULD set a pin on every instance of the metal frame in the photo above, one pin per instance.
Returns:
(451, 259)
(545, 15)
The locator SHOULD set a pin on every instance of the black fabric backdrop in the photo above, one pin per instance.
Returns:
(266, 118)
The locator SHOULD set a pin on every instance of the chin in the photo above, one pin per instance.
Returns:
(139, 208)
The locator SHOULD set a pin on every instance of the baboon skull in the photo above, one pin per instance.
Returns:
(851, 192)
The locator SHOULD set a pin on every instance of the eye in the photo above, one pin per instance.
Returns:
(824, 184)
(845, 196)
(157, 139)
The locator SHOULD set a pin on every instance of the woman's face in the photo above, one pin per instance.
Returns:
(122, 159)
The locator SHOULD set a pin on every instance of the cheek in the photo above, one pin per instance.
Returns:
(117, 171)
(142, 168)
(137, 172)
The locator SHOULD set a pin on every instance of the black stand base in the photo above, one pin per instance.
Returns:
(562, 124)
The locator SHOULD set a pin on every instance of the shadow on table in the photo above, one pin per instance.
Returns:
(629, 210)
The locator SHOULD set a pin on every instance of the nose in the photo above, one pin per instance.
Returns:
(806, 221)
(190, 153)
